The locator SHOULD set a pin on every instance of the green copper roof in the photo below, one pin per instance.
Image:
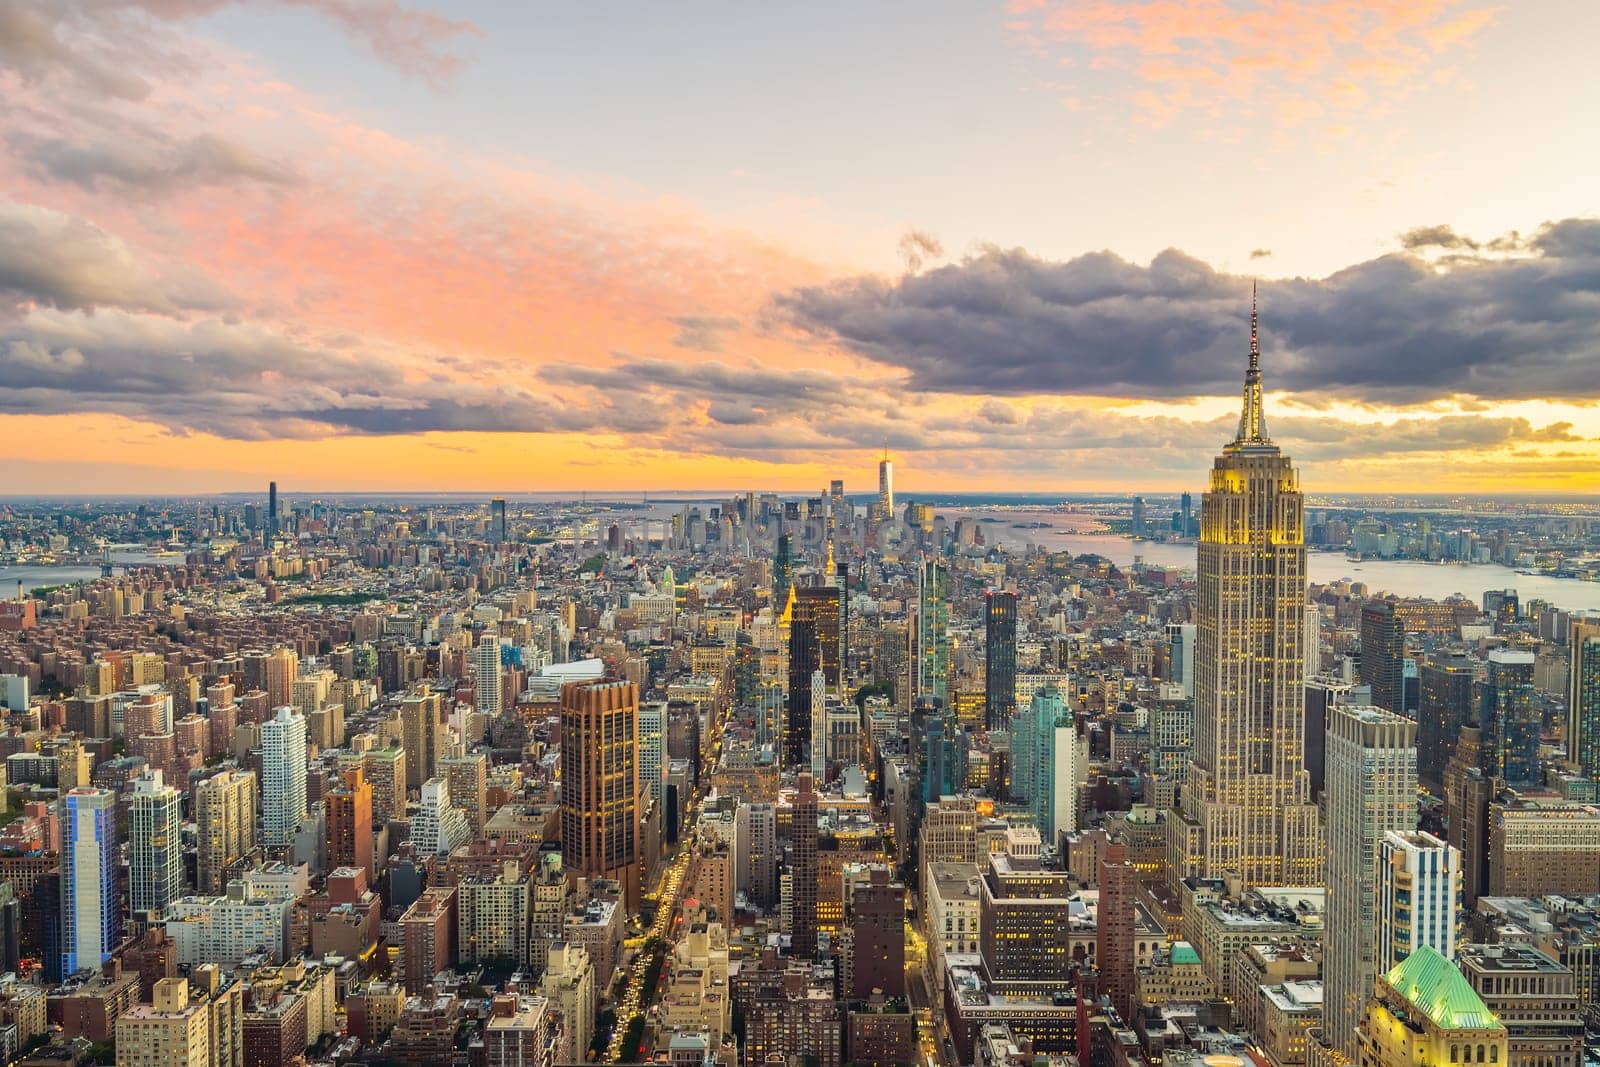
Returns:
(1438, 989)
(1183, 952)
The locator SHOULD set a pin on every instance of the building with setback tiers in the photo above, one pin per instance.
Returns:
(1246, 809)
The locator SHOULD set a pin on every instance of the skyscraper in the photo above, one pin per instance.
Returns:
(600, 782)
(1583, 696)
(1444, 708)
(349, 808)
(1246, 807)
(272, 512)
(1419, 896)
(931, 666)
(1114, 928)
(885, 488)
(225, 817)
(91, 918)
(283, 777)
(155, 857)
(1510, 718)
(497, 520)
(1372, 789)
(1000, 659)
(803, 933)
(485, 665)
(280, 668)
(813, 647)
(1383, 653)
(1180, 645)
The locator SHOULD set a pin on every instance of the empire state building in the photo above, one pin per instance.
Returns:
(1246, 809)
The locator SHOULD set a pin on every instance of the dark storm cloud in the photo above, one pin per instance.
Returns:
(148, 163)
(242, 381)
(1392, 330)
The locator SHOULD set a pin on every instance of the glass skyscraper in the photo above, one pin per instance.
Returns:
(1000, 659)
(91, 920)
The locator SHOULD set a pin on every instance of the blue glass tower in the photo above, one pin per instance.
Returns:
(91, 920)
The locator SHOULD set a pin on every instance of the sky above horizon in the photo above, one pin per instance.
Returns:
(361, 245)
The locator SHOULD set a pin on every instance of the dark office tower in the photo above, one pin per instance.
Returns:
(272, 510)
(1114, 929)
(877, 922)
(600, 783)
(349, 814)
(1138, 516)
(1186, 510)
(1444, 708)
(1510, 718)
(1000, 659)
(1383, 653)
(1467, 793)
(782, 575)
(1322, 694)
(1583, 696)
(497, 521)
(803, 931)
(813, 646)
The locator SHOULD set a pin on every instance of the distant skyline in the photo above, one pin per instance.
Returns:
(353, 245)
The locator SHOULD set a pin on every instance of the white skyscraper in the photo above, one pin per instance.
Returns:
(1371, 790)
(486, 674)
(819, 726)
(653, 749)
(91, 920)
(283, 777)
(439, 827)
(155, 857)
(1419, 896)
(1180, 639)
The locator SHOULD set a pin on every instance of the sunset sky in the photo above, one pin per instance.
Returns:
(355, 245)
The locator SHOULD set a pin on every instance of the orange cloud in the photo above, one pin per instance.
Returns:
(1220, 57)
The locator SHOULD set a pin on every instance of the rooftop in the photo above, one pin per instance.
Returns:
(1439, 990)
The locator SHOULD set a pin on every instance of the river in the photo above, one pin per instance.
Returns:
(34, 575)
(1408, 578)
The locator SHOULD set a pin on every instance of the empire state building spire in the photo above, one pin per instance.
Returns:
(1252, 422)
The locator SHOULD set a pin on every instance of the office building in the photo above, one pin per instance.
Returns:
(1419, 896)
(1510, 717)
(155, 846)
(1114, 929)
(804, 870)
(931, 654)
(813, 650)
(600, 782)
(1372, 790)
(1383, 653)
(653, 750)
(283, 777)
(1583, 695)
(885, 489)
(1180, 656)
(1533, 997)
(1000, 659)
(91, 914)
(1445, 708)
(1246, 807)
(497, 521)
(225, 818)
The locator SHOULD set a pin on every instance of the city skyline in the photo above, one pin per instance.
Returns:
(356, 246)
